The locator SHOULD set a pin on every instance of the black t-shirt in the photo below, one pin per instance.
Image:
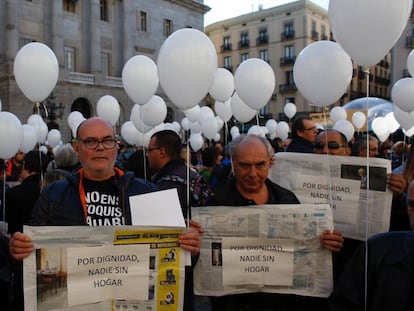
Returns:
(102, 202)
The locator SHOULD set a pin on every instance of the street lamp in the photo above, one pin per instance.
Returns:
(50, 110)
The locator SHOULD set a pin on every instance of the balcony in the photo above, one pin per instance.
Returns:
(324, 37)
(287, 88)
(264, 39)
(315, 35)
(243, 44)
(382, 80)
(287, 60)
(82, 78)
(226, 47)
(287, 35)
(113, 81)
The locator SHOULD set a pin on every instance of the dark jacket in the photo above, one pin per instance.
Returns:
(59, 203)
(20, 200)
(298, 144)
(390, 276)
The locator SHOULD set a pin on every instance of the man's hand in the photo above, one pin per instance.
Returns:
(21, 246)
(191, 240)
(332, 240)
(396, 183)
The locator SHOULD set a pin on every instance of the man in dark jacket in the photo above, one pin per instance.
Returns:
(250, 186)
(171, 172)
(304, 132)
(74, 200)
(381, 276)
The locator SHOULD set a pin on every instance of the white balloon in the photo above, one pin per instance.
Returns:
(379, 126)
(322, 72)
(154, 112)
(34, 119)
(240, 110)
(271, 125)
(337, 113)
(409, 132)
(223, 85)
(289, 110)
(192, 113)
(254, 82)
(108, 109)
(358, 119)
(368, 29)
(196, 141)
(405, 119)
(195, 127)
(346, 128)
(53, 137)
(11, 135)
(220, 123)
(75, 124)
(30, 138)
(402, 94)
(36, 70)
(129, 133)
(136, 118)
(392, 123)
(176, 126)
(282, 130)
(256, 130)
(209, 127)
(73, 116)
(223, 110)
(234, 130)
(187, 65)
(217, 137)
(185, 123)
(204, 112)
(140, 78)
(43, 149)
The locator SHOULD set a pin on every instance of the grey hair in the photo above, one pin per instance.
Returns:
(66, 156)
(242, 137)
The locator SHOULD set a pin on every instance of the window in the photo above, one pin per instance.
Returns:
(70, 59)
(244, 40)
(288, 29)
(289, 100)
(289, 51)
(289, 77)
(264, 55)
(105, 64)
(263, 35)
(24, 41)
(227, 62)
(323, 32)
(104, 10)
(69, 6)
(167, 27)
(142, 21)
(243, 57)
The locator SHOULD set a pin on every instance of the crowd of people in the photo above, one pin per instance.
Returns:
(53, 191)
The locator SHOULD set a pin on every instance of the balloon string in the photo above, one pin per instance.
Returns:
(329, 164)
(366, 70)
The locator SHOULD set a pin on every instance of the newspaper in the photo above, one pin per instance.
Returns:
(263, 248)
(355, 187)
(104, 268)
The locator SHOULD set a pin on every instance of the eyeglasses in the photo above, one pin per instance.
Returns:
(93, 143)
(313, 128)
(151, 149)
(331, 145)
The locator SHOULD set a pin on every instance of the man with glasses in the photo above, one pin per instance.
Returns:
(331, 142)
(96, 195)
(304, 132)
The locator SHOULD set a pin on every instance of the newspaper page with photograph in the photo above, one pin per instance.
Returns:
(355, 187)
(104, 268)
(263, 248)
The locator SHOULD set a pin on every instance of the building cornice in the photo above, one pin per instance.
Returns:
(192, 5)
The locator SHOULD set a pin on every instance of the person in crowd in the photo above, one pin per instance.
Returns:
(64, 163)
(164, 155)
(211, 159)
(365, 145)
(334, 142)
(380, 274)
(124, 152)
(304, 132)
(19, 202)
(251, 157)
(97, 148)
(14, 166)
(137, 162)
(5, 259)
(399, 152)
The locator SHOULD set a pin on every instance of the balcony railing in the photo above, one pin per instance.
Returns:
(244, 44)
(83, 78)
(287, 60)
(264, 39)
(226, 47)
(113, 81)
(287, 88)
(287, 35)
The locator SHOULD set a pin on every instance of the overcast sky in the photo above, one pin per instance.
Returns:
(223, 9)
